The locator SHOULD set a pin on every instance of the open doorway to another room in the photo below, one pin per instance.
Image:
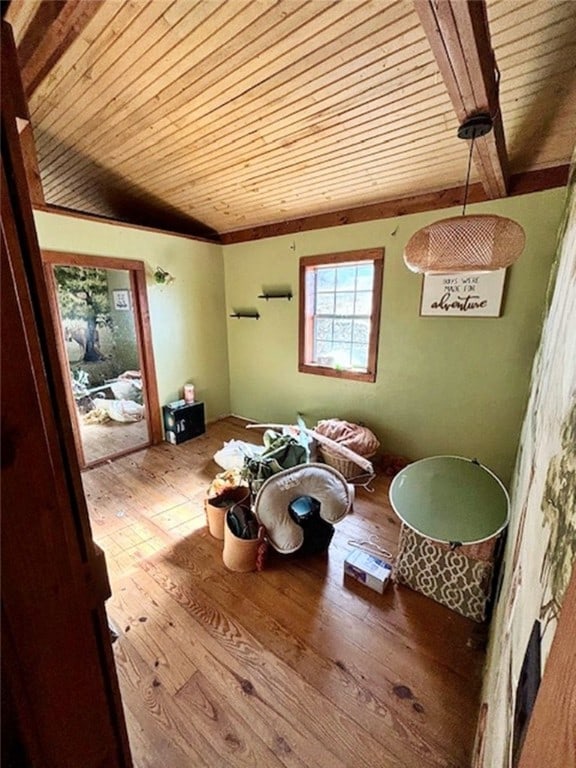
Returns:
(100, 306)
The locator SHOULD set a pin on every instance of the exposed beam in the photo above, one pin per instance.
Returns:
(24, 128)
(520, 184)
(460, 40)
(31, 165)
(51, 32)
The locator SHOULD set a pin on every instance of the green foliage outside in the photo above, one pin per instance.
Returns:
(83, 295)
(100, 342)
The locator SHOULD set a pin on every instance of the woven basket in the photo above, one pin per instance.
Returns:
(349, 469)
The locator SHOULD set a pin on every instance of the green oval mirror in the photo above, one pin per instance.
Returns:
(450, 499)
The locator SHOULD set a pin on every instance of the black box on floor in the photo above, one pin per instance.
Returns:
(182, 421)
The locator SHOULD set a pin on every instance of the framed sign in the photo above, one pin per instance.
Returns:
(465, 294)
(121, 299)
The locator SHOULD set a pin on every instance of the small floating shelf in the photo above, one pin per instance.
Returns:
(250, 315)
(279, 295)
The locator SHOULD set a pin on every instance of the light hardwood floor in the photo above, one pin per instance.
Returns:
(101, 440)
(287, 667)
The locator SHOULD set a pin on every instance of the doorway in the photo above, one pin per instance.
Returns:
(100, 308)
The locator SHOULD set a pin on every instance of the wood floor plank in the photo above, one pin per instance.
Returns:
(359, 673)
(125, 562)
(152, 636)
(294, 666)
(265, 669)
(283, 730)
(293, 746)
(144, 750)
(161, 738)
(230, 735)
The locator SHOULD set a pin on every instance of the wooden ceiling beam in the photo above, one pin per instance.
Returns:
(520, 184)
(31, 164)
(51, 32)
(458, 34)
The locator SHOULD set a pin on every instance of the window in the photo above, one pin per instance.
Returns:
(340, 296)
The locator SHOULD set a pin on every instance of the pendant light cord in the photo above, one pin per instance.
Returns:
(468, 175)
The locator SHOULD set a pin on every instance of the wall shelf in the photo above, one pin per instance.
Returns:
(279, 295)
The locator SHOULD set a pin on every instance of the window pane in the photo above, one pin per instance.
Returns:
(325, 279)
(325, 304)
(346, 278)
(323, 352)
(361, 332)
(342, 330)
(344, 304)
(336, 332)
(360, 356)
(341, 356)
(323, 328)
(365, 277)
(363, 303)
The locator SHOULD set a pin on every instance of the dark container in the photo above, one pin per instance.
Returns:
(183, 421)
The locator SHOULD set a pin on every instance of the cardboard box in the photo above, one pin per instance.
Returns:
(368, 569)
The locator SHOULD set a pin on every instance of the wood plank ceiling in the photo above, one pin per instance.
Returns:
(211, 116)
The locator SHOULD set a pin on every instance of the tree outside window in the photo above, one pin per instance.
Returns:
(340, 297)
(83, 296)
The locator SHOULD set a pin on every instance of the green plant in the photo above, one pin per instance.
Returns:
(83, 296)
(162, 277)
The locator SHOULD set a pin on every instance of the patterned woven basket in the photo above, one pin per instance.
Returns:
(349, 469)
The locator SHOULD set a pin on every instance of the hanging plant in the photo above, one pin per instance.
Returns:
(162, 277)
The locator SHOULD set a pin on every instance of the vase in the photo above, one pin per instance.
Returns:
(216, 511)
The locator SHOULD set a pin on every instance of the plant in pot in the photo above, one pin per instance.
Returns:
(162, 277)
(230, 518)
(227, 488)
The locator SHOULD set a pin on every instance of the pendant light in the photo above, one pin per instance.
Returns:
(476, 243)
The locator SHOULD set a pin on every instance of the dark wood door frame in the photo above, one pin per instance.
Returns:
(60, 695)
(137, 272)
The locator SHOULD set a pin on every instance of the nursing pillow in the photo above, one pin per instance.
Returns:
(320, 481)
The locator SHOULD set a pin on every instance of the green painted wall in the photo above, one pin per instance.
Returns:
(187, 317)
(124, 328)
(444, 385)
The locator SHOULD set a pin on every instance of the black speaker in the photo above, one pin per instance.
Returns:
(183, 421)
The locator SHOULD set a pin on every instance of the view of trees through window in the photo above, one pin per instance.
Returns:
(340, 297)
(342, 311)
(103, 359)
(85, 307)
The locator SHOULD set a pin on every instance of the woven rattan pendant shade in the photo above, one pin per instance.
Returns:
(465, 244)
(480, 243)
